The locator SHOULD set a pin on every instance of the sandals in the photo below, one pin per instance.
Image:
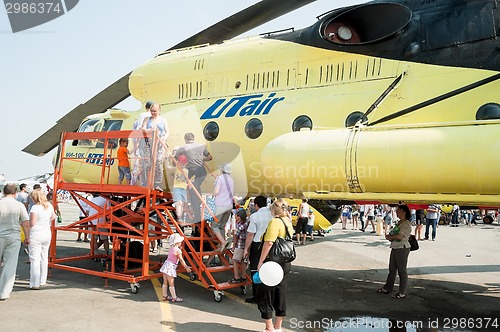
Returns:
(172, 299)
(234, 281)
(395, 296)
(383, 291)
(176, 299)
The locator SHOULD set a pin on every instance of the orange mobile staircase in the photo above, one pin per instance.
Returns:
(130, 230)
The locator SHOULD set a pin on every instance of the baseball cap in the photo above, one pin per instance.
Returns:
(182, 159)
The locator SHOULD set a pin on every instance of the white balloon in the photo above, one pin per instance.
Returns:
(271, 273)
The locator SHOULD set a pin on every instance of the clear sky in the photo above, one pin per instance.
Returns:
(48, 70)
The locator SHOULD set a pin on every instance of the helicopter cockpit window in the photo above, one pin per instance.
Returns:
(211, 131)
(110, 125)
(86, 127)
(302, 121)
(254, 128)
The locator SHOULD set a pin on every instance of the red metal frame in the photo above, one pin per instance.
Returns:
(124, 225)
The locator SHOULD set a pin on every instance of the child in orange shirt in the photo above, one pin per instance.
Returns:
(123, 162)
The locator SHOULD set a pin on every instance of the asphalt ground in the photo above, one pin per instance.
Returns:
(454, 286)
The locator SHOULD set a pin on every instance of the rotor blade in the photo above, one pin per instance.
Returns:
(107, 98)
(232, 26)
(243, 21)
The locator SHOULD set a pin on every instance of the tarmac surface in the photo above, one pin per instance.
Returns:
(454, 286)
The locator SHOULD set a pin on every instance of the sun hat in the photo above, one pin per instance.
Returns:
(226, 168)
(175, 238)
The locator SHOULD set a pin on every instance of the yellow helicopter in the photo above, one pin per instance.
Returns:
(377, 102)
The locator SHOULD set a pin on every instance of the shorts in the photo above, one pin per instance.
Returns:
(309, 229)
(179, 195)
(300, 227)
(103, 237)
(84, 224)
(124, 172)
(388, 220)
(238, 255)
(420, 220)
(371, 218)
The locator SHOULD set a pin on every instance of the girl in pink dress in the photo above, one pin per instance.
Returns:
(169, 268)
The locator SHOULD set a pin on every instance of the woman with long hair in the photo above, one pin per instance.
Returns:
(41, 215)
(271, 298)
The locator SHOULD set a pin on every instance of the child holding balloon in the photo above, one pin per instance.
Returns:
(169, 268)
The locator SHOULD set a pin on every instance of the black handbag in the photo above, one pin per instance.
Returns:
(283, 249)
(413, 242)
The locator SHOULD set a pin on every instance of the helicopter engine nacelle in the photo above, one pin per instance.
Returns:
(366, 23)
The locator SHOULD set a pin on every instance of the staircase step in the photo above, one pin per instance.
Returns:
(222, 268)
(227, 285)
(205, 239)
(210, 253)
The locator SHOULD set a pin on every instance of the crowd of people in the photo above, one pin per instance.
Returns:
(28, 217)
(250, 238)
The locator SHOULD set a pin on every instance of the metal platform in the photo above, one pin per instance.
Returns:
(132, 218)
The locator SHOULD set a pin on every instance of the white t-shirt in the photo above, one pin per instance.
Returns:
(370, 210)
(310, 221)
(99, 201)
(12, 214)
(304, 213)
(22, 197)
(258, 223)
(44, 216)
(85, 208)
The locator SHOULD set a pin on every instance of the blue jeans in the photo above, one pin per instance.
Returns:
(429, 222)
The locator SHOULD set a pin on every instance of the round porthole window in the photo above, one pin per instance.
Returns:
(302, 121)
(211, 131)
(489, 111)
(353, 118)
(254, 128)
